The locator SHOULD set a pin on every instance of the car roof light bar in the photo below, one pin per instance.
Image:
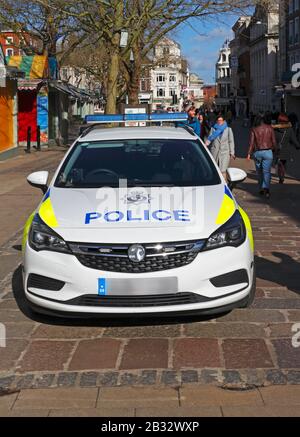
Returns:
(123, 118)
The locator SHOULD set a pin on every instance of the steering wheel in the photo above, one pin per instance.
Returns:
(103, 170)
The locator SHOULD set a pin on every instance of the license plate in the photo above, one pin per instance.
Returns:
(137, 286)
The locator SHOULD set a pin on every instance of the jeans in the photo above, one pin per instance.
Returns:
(263, 162)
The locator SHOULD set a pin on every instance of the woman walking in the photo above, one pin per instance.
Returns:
(285, 136)
(221, 142)
(262, 145)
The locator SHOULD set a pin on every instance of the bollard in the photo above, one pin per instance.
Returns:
(27, 150)
(38, 138)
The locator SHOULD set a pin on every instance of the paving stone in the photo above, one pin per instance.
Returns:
(7, 401)
(280, 293)
(223, 330)
(57, 398)
(189, 376)
(253, 315)
(67, 332)
(44, 380)
(67, 379)
(13, 316)
(293, 376)
(148, 377)
(25, 381)
(214, 396)
(254, 377)
(277, 303)
(93, 412)
(196, 352)
(281, 395)
(88, 379)
(95, 354)
(9, 304)
(129, 379)
(209, 376)
(275, 377)
(288, 356)
(46, 355)
(24, 413)
(294, 315)
(11, 353)
(137, 397)
(179, 412)
(145, 354)
(247, 353)
(6, 382)
(19, 330)
(261, 411)
(169, 377)
(231, 377)
(143, 331)
(108, 379)
(280, 330)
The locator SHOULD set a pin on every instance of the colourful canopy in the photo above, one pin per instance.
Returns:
(34, 67)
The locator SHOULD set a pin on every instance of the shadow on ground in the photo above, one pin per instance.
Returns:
(285, 273)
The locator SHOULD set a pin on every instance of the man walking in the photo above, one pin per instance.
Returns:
(262, 145)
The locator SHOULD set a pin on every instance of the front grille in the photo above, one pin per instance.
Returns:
(44, 283)
(114, 258)
(137, 301)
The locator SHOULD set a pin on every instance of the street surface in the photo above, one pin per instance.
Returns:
(157, 364)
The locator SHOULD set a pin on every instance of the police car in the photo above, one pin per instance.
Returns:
(138, 221)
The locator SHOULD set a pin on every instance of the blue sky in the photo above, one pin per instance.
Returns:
(201, 42)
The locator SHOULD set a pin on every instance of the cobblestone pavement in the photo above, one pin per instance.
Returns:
(244, 349)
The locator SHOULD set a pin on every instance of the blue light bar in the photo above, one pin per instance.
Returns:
(149, 118)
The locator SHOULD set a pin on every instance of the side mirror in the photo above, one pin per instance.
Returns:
(39, 179)
(235, 175)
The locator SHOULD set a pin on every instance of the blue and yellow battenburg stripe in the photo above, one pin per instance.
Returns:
(248, 227)
(227, 209)
(26, 230)
(46, 211)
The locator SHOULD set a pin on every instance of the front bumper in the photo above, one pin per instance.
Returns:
(193, 279)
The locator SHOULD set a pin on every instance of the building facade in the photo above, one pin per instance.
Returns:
(169, 75)
(223, 78)
(289, 50)
(195, 90)
(240, 67)
(209, 96)
(264, 57)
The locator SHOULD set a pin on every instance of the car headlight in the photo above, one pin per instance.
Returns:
(232, 233)
(41, 237)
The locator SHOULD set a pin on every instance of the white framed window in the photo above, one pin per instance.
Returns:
(172, 78)
(9, 40)
(166, 50)
(172, 92)
(9, 52)
(291, 32)
(296, 34)
(161, 77)
(160, 92)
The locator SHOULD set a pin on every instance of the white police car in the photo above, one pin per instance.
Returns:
(138, 221)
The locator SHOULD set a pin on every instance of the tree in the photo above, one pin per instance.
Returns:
(146, 22)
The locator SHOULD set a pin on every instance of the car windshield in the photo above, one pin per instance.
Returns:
(153, 162)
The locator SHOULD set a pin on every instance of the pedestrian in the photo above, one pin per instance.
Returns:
(262, 145)
(285, 136)
(229, 117)
(193, 121)
(204, 127)
(221, 142)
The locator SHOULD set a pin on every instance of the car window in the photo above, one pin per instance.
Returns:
(146, 162)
